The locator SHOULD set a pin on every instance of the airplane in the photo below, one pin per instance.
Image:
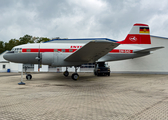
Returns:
(136, 44)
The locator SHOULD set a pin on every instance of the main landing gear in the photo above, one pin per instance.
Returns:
(74, 76)
(66, 73)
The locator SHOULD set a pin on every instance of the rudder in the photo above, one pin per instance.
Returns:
(139, 34)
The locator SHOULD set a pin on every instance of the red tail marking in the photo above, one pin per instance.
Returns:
(139, 34)
(136, 39)
(139, 24)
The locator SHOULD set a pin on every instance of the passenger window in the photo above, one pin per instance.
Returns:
(55, 50)
(63, 50)
(28, 50)
(70, 50)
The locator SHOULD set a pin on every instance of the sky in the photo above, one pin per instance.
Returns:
(80, 18)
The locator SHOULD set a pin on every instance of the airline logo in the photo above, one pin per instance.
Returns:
(133, 38)
(75, 46)
(144, 30)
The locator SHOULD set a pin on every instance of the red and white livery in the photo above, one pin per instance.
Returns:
(136, 44)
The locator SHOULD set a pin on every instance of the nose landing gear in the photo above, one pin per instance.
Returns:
(28, 76)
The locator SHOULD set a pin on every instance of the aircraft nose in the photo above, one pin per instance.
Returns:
(8, 56)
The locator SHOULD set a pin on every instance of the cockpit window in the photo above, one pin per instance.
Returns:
(17, 50)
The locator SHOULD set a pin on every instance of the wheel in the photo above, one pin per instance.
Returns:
(108, 74)
(28, 76)
(75, 76)
(66, 73)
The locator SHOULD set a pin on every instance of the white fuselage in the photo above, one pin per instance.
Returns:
(54, 53)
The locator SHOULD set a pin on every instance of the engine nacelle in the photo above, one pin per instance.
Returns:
(54, 58)
(48, 58)
(57, 59)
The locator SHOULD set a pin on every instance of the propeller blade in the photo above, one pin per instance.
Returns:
(39, 59)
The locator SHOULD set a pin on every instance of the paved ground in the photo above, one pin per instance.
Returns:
(51, 96)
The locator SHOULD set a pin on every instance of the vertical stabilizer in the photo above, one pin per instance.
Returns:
(139, 34)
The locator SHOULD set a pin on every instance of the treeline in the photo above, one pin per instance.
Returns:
(22, 40)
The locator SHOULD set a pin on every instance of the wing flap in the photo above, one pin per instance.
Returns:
(92, 51)
(148, 50)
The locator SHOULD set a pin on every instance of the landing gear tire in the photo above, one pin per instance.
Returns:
(66, 73)
(28, 76)
(75, 76)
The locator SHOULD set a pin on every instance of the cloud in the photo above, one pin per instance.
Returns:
(80, 19)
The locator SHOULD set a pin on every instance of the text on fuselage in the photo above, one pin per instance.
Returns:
(75, 46)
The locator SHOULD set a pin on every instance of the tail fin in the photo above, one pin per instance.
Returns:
(139, 34)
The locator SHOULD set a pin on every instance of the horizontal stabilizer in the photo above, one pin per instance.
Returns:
(92, 51)
(148, 50)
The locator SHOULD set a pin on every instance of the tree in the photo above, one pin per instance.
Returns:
(22, 40)
(2, 49)
(26, 39)
(11, 44)
(41, 39)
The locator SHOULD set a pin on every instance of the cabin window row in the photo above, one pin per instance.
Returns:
(55, 50)
(63, 50)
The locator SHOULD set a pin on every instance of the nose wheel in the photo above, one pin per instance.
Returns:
(28, 76)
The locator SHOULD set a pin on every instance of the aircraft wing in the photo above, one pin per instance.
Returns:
(92, 51)
(147, 50)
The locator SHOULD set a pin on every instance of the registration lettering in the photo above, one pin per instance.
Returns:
(124, 51)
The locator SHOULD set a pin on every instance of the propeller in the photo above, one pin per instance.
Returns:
(39, 59)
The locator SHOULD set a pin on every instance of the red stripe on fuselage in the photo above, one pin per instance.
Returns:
(33, 50)
(47, 50)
